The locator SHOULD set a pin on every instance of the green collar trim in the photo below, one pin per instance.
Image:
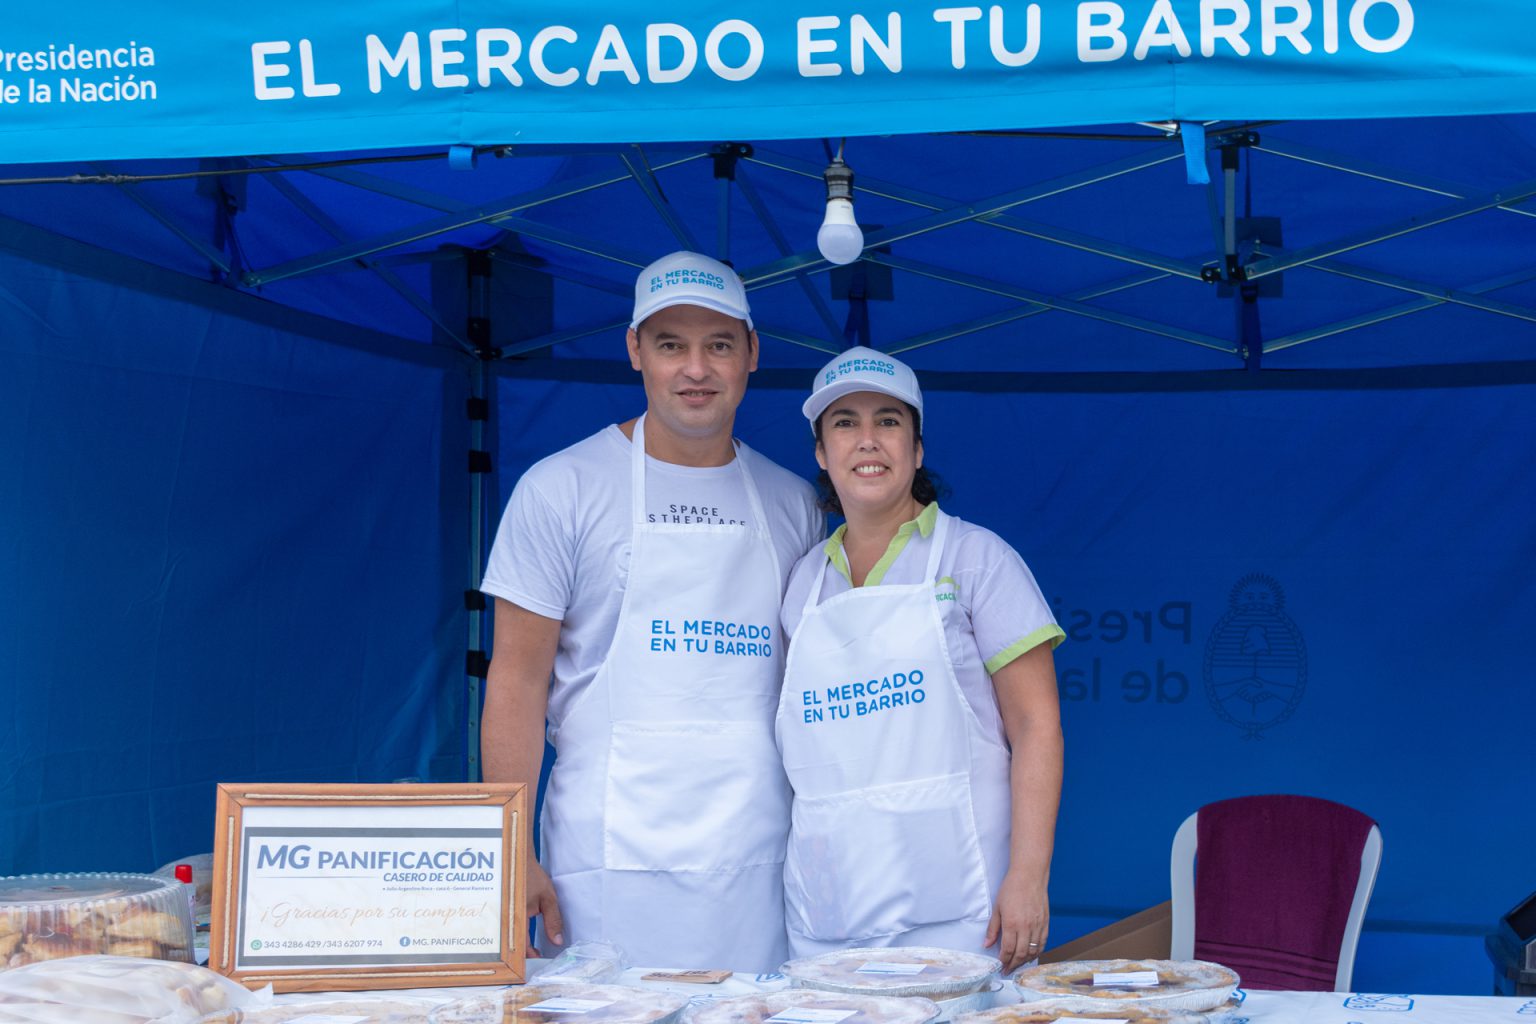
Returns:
(926, 520)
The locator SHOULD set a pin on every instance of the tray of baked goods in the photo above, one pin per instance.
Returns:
(896, 971)
(809, 1006)
(117, 990)
(1182, 985)
(1037, 1013)
(565, 1003)
(46, 917)
(330, 1009)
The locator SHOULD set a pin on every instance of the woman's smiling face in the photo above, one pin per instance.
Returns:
(869, 448)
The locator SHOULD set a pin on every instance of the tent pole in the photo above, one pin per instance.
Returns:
(723, 218)
(482, 469)
(1250, 336)
(481, 402)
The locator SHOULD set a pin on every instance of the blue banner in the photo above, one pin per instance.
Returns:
(100, 80)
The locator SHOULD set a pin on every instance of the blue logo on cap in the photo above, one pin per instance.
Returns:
(699, 277)
(850, 366)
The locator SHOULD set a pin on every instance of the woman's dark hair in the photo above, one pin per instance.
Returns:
(926, 486)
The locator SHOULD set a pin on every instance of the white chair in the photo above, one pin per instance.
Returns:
(1182, 876)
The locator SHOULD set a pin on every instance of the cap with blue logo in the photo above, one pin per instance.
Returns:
(689, 279)
(862, 369)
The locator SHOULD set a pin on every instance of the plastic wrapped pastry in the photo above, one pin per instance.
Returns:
(896, 971)
(564, 1002)
(116, 990)
(1035, 1013)
(47, 917)
(809, 1006)
(1195, 985)
(362, 1009)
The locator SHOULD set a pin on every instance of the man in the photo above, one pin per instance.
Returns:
(643, 568)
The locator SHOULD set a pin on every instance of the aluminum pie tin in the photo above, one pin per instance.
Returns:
(1187, 985)
(926, 971)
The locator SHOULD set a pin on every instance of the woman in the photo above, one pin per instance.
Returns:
(919, 720)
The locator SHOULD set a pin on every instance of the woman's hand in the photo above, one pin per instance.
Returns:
(1021, 919)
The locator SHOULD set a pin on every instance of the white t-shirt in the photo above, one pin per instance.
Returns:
(562, 549)
(991, 608)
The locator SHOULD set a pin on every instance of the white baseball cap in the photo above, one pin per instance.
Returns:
(862, 369)
(690, 279)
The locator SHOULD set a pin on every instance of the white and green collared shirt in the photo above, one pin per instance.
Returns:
(992, 609)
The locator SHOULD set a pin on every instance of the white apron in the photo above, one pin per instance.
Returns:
(667, 808)
(900, 824)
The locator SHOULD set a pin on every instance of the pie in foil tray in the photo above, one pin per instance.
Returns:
(1191, 985)
(809, 1006)
(564, 1003)
(330, 1010)
(895, 971)
(1045, 1013)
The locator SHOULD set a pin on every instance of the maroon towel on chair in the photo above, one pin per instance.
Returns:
(1274, 879)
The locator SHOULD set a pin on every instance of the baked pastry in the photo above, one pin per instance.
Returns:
(1194, 985)
(1034, 1013)
(896, 971)
(809, 1006)
(568, 1002)
(113, 990)
(47, 917)
(363, 1008)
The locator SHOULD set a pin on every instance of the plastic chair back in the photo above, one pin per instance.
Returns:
(1285, 892)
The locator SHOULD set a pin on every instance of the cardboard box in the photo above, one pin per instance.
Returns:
(1144, 935)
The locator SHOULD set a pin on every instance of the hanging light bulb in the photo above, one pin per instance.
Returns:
(839, 240)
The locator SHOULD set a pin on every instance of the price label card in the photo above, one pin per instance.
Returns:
(881, 967)
(693, 977)
(1092, 1020)
(1125, 979)
(809, 1015)
(565, 1004)
(329, 1018)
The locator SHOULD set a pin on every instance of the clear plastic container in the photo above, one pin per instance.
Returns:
(585, 963)
(1035, 1013)
(955, 1006)
(810, 1006)
(47, 917)
(1182, 985)
(117, 990)
(330, 1010)
(896, 971)
(565, 1002)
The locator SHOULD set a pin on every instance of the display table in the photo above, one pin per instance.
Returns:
(1257, 1007)
(1343, 1008)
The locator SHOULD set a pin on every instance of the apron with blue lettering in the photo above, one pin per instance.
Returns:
(900, 824)
(665, 817)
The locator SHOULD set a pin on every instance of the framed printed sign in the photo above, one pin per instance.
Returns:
(340, 887)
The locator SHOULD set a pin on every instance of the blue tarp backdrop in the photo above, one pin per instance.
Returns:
(1266, 442)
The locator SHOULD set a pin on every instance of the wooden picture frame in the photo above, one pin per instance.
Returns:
(322, 887)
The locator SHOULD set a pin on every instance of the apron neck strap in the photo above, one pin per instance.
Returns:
(813, 596)
(637, 472)
(936, 546)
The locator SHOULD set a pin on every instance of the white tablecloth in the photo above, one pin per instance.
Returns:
(1360, 1008)
(1256, 1008)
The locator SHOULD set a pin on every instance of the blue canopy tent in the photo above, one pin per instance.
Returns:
(289, 298)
